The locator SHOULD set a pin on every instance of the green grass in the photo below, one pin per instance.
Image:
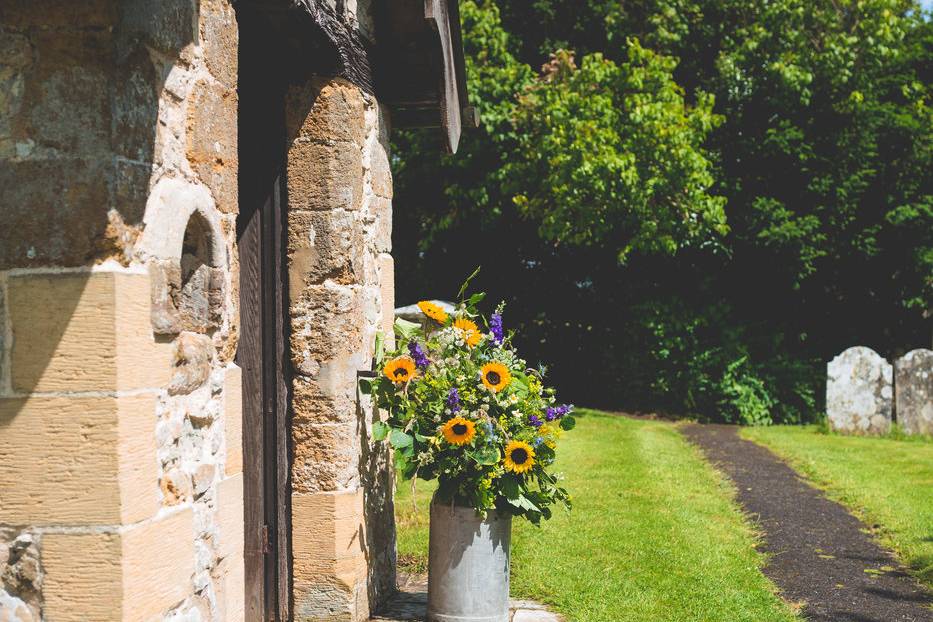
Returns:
(654, 534)
(887, 482)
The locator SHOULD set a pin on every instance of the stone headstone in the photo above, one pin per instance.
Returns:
(859, 394)
(914, 391)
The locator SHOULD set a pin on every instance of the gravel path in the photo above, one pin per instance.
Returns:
(820, 555)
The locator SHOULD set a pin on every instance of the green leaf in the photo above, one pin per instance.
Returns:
(487, 454)
(568, 423)
(467, 282)
(366, 385)
(380, 430)
(380, 348)
(509, 487)
(405, 329)
(475, 299)
(400, 440)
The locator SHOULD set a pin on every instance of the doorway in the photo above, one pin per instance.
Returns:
(262, 353)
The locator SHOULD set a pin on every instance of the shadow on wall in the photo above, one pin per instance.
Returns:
(77, 151)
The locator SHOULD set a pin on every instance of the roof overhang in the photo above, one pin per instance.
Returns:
(415, 67)
(421, 74)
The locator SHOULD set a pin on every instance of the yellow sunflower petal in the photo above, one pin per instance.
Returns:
(400, 369)
(459, 431)
(519, 457)
(495, 376)
(433, 311)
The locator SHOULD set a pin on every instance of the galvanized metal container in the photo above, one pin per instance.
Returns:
(468, 565)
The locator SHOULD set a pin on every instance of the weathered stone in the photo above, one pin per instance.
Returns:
(193, 356)
(311, 404)
(176, 487)
(212, 141)
(101, 444)
(380, 210)
(84, 331)
(168, 25)
(336, 112)
(325, 176)
(380, 169)
(322, 246)
(326, 457)
(914, 391)
(220, 39)
(83, 92)
(135, 105)
(13, 609)
(858, 392)
(72, 194)
(203, 478)
(165, 281)
(59, 14)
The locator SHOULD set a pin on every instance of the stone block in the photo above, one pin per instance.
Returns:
(233, 419)
(387, 291)
(169, 25)
(212, 141)
(52, 211)
(859, 394)
(220, 40)
(229, 585)
(325, 457)
(83, 577)
(381, 213)
(324, 176)
(322, 246)
(329, 563)
(84, 331)
(914, 391)
(78, 460)
(336, 113)
(133, 574)
(380, 169)
(311, 404)
(230, 516)
(60, 14)
(193, 354)
(135, 99)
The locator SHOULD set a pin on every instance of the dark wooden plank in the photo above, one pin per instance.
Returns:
(249, 359)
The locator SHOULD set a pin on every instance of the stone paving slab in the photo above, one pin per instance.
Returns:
(410, 604)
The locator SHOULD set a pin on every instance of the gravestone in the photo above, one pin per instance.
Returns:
(914, 391)
(859, 395)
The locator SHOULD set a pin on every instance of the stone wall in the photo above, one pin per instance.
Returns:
(119, 401)
(340, 276)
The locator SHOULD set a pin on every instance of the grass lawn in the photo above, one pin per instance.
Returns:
(886, 482)
(653, 535)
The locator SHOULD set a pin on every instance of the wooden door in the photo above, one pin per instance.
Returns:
(263, 346)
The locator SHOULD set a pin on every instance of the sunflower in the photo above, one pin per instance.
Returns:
(519, 457)
(433, 311)
(459, 431)
(496, 376)
(400, 369)
(469, 331)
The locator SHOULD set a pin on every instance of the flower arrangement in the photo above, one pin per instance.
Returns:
(466, 410)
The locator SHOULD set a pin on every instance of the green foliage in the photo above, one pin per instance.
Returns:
(610, 154)
(464, 409)
(806, 126)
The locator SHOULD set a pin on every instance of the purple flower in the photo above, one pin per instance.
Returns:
(495, 327)
(417, 353)
(453, 400)
(533, 420)
(556, 412)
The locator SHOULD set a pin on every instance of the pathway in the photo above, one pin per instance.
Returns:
(820, 555)
(411, 604)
